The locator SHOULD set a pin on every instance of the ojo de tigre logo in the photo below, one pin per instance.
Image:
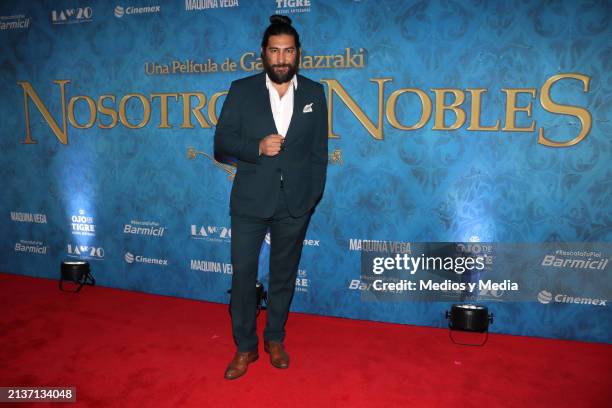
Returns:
(83, 224)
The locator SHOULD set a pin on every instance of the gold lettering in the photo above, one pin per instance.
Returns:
(107, 111)
(511, 109)
(476, 110)
(306, 62)
(163, 104)
(375, 130)
(123, 114)
(212, 107)
(92, 112)
(196, 111)
(454, 106)
(581, 113)
(425, 112)
(251, 65)
(28, 91)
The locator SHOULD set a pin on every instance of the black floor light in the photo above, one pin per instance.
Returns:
(469, 318)
(77, 272)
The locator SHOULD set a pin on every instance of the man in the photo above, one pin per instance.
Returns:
(275, 125)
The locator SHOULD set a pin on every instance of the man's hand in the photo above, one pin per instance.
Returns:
(271, 145)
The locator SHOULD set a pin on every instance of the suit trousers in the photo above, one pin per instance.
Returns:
(286, 238)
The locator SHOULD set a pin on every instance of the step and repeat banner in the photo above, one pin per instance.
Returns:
(469, 153)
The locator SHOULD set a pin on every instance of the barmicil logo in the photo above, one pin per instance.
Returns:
(14, 22)
(146, 228)
(31, 247)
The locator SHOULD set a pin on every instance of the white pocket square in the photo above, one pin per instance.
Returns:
(308, 108)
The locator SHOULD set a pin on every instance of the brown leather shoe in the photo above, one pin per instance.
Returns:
(239, 364)
(278, 356)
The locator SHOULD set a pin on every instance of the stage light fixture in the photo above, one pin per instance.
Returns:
(469, 318)
(77, 272)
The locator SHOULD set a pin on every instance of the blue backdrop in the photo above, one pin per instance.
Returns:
(481, 122)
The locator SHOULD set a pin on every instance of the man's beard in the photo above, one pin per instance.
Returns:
(279, 77)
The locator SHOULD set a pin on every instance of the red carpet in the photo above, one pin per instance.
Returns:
(126, 349)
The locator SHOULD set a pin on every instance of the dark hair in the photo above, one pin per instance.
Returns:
(280, 25)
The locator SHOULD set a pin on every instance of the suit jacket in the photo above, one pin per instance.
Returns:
(246, 118)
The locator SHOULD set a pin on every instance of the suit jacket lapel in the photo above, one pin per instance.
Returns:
(263, 99)
(298, 104)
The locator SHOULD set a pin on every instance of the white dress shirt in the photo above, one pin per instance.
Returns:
(282, 108)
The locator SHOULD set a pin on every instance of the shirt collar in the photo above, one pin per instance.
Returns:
(294, 82)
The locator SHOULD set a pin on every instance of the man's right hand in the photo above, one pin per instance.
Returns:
(271, 145)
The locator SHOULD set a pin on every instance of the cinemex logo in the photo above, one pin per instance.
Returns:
(121, 11)
(211, 233)
(85, 252)
(131, 258)
(292, 6)
(31, 247)
(28, 217)
(72, 15)
(14, 22)
(146, 228)
(210, 266)
(191, 5)
(83, 224)
(307, 242)
(545, 297)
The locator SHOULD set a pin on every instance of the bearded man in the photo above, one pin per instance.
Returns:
(275, 124)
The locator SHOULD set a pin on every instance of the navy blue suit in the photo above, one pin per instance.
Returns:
(260, 201)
